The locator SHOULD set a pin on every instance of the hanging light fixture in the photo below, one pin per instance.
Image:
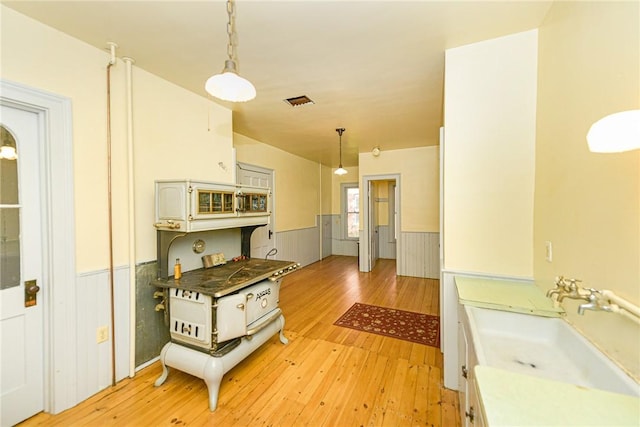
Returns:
(340, 170)
(615, 133)
(8, 149)
(228, 85)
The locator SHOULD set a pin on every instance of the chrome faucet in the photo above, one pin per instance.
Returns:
(569, 288)
(597, 302)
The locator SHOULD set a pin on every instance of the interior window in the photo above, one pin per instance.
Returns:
(351, 210)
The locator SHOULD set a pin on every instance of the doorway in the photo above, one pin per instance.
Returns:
(262, 238)
(21, 312)
(381, 216)
(50, 116)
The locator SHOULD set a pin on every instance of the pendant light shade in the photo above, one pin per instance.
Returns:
(340, 170)
(615, 133)
(228, 85)
(8, 150)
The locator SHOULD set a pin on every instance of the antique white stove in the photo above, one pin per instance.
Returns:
(218, 316)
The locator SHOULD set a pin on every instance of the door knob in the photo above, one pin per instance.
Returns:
(30, 290)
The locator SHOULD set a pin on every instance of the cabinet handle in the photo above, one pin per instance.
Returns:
(470, 414)
(464, 370)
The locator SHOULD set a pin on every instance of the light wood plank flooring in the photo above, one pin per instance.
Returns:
(326, 376)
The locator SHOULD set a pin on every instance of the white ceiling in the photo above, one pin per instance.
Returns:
(375, 68)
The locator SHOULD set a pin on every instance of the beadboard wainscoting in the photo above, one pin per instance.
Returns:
(301, 245)
(420, 255)
(93, 311)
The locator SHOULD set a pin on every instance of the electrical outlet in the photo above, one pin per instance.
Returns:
(102, 334)
(548, 250)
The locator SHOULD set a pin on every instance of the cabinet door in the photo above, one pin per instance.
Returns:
(463, 374)
(474, 412)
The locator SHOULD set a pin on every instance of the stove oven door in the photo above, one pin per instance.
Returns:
(262, 299)
(231, 317)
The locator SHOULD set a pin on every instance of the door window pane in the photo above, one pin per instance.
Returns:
(9, 216)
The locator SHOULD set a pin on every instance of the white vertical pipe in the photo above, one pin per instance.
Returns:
(621, 302)
(132, 225)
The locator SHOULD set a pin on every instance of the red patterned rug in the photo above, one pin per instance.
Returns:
(405, 325)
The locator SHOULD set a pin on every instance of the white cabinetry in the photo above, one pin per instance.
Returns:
(470, 410)
(188, 206)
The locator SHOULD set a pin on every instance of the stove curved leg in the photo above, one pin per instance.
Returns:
(165, 370)
(283, 339)
(213, 372)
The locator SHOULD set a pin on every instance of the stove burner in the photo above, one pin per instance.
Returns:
(226, 279)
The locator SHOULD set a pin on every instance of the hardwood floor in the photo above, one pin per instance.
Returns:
(326, 376)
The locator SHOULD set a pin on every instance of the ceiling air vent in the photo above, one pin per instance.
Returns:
(299, 101)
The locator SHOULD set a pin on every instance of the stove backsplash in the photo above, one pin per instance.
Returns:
(227, 241)
(151, 332)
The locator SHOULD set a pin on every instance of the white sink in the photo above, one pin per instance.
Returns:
(545, 347)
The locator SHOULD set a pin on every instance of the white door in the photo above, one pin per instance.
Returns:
(373, 227)
(21, 324)
(262, 240)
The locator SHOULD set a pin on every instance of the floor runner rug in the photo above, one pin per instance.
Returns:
(405, 325)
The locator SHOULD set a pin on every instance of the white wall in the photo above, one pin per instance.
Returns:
(419, 198)
(489, 162)
(489, 168)
(588, 204)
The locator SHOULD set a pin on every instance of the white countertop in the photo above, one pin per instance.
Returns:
(506, 295)
(511, 399)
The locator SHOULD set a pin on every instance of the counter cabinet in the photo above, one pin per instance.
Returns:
(470, 409)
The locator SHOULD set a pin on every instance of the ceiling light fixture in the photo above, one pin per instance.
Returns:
(340, 170)
(8, 150)
(228, 85)
(615, 133)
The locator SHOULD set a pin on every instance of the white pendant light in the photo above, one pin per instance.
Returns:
(228, 85)
(8, 152)
(340, 170)
(615, 133)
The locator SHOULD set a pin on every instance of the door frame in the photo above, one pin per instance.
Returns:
(260, 169)
(58, 240)
(365, 247)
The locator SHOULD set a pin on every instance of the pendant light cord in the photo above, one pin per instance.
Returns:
(231, 29)
(340, 130)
